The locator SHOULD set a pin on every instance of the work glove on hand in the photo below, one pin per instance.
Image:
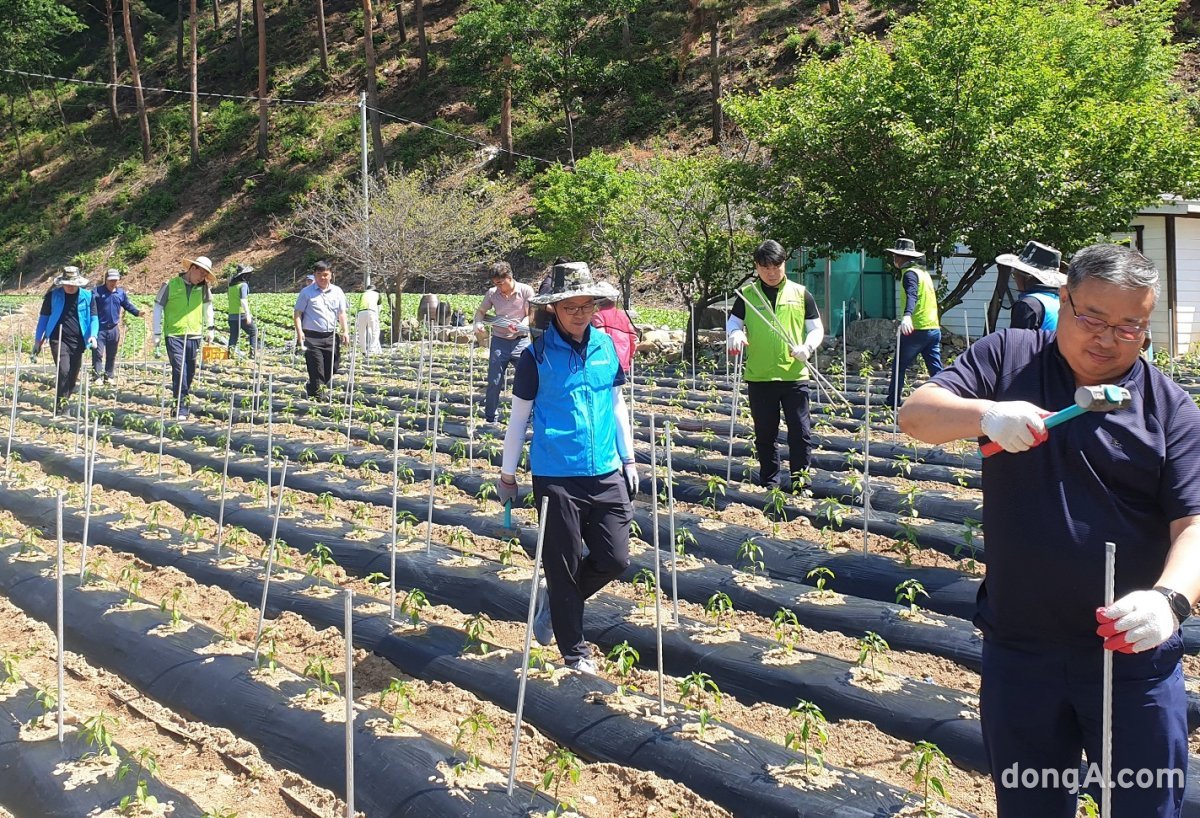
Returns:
(906, 327)
(632, 480)
(33, 356)
(1016, 425)
(507, 492)
(800, 352)
(210, 335)
(737, 341)
(1136, 622)
(91, 343)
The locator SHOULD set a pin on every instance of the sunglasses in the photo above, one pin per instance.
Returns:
(1122, 332)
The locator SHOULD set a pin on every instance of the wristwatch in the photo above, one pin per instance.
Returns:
(1178, 602)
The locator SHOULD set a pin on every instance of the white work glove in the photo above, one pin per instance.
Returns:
(737, 341)
(632, 481)
(507, 492)
(155, 340)
(212, 333)
(91, 343)
(800, 352)
(906, 327)
(1136, 622)
(1016, 425)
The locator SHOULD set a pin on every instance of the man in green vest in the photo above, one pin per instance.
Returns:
(183, 310)
(920, 329)
(238, 309)
(776, 325)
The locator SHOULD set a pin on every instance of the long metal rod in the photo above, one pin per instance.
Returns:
(733, 414)
(12, 417)
(62, 691)
(225, 477)
(162, 414)
(866, 487)
(899, 384)
(89, 474)
(533, 595)
(262, 606)
(657, 563)
(350, 391)
(668, 430)
(471, 405)
(348, 691)
(845, 371)
(270, 435)
(395, 492)
(437, 403)
(1106, 738)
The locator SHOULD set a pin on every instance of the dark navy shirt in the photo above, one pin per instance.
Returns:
(525, 383)
(1120, 476)
(107, 306)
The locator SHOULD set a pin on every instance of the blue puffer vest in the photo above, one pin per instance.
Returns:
(89, 326)
(574, 428)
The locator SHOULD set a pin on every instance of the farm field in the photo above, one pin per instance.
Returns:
(810, 664)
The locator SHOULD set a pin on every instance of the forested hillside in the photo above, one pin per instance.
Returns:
(485, 89)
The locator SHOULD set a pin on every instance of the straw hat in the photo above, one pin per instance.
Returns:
(205, 264)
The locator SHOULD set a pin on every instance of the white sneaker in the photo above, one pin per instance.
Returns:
(543, 627)
(585, 666)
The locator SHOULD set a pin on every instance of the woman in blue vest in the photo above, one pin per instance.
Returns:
(581, 456)
(69, 324)
(1037, 275)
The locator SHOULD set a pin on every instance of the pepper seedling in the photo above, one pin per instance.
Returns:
(908, 591)
(810, 736)
(561, 764)
(871, 645)
(929, 767)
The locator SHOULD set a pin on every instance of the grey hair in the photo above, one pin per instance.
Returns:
(1113, 264)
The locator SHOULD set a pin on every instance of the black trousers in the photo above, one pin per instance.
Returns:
(766, 398)
(238, 323)
(105, 353)
(592, 510)
(67, 359)
(322, 356)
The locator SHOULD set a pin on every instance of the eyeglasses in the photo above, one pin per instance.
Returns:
(1122, 332)
(577, 309)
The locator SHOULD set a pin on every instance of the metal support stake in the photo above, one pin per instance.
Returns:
(62, 693)
(733, 414)
(1106, 760)
(262, 606)
(270, 435)
(437, 403)
(533, 595)
(89, 472)
(162, 414)
(225, 477)
(348, 691)
(866, 488)
(657, 563)
(395, 492)
(668, 430)
(899, 384)
(12, 418)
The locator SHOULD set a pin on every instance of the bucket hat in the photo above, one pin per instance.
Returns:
(572, 280)
(71, 277)
(906, 248)
(1038, 261)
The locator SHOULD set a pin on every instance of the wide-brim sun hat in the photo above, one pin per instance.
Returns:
(205, 264)
(71, 277)
(574, 280)
(906, 248)
(1038, 261)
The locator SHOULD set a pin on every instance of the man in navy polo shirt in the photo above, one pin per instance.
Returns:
(109, 299)
(1051, 501)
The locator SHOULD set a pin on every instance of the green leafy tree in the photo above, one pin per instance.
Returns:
(981, 122)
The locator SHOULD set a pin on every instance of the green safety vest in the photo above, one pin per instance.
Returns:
(925, 314)
(234, 306)
(767, 355)
(183, 314)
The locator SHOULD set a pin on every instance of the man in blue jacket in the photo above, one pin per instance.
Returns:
(581, 456)
(108, 301)
(68, 323)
